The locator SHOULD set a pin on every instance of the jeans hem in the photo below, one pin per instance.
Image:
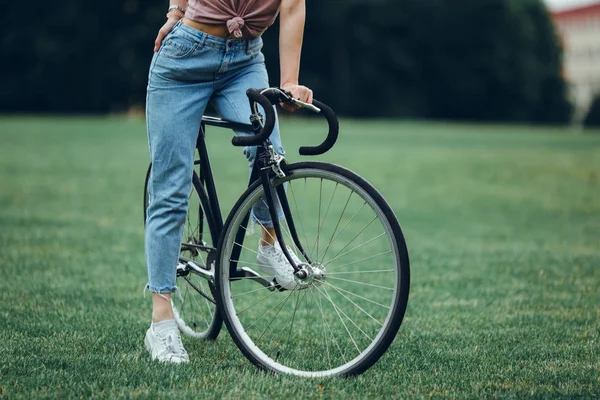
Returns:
(160, 290)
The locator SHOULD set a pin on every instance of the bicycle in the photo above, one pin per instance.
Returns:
(350, 288)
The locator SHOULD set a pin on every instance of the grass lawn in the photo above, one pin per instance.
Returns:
(502, 226)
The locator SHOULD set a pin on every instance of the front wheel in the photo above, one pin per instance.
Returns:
(340, 320)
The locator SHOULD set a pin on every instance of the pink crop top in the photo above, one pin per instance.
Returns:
(243, 17)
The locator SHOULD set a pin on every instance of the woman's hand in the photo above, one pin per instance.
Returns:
(298, 92)
(164, 31)
(292, 15)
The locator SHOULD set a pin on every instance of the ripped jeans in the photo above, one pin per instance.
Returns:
(190, 69)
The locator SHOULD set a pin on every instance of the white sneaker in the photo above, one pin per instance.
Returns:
(272, 261)
(166, 346)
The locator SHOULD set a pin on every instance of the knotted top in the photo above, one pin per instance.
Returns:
(235, 25)
(244, 18)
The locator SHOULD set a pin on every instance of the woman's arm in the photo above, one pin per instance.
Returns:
(292, 16)
(172, 17)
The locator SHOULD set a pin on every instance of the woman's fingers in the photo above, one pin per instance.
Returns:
(288, 107)
(164, 31)
(298, 92)
(158, 41)
(310, 96)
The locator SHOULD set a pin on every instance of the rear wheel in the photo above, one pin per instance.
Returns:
(346, 313)
(194, 306)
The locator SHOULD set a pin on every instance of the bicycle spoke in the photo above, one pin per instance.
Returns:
(360, 272)
(251, 291)
(356, 305)
(356, 262)
(348, 223)
(297, 303)
(282, 303)
(361, 283)
(316, 244)
(205, 302)
(312, 293)
(339, 316)
(253, 304)
(245, 262)
(326, 213)
(195, 299)
(330, 331)
(354, 323)
(360, 297)
(355, 248)
(244, 247)
(337, 224)
(272, 319)
(308, 319)
(290, 321)
(353, 239)
(210, 309)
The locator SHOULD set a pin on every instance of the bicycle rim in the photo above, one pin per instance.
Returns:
(342, 322)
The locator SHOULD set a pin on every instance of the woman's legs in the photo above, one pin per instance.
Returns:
(174, 110)
(232, 104)
(173, 119)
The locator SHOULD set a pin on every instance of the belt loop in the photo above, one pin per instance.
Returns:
(247, 46)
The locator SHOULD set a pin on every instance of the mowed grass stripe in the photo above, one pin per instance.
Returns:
(502, 224)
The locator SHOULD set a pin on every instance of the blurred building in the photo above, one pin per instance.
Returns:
(580, 31)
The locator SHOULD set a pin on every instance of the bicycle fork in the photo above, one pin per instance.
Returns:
(270, 164)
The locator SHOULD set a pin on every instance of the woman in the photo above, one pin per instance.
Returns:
(208, 50)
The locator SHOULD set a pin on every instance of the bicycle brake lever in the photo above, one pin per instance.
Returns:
(287, 98)
(309, 106)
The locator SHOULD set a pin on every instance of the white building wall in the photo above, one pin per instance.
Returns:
(581, 38)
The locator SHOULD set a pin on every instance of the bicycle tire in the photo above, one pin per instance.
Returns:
(194, 313)
(301, 351)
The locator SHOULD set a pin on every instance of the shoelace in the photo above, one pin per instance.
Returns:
(294, 256)
(278, 254)
(173, 345)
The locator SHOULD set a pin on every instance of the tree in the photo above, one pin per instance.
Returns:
(492, 60)
(592, 119)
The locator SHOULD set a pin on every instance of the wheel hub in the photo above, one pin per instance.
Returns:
(310, 275)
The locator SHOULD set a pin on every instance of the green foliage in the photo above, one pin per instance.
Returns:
(504, 255)
(592, 119)
(468, 59)
(445, 59)
(74, 56)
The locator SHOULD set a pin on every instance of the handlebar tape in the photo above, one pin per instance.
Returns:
(266, 101)
(255, 96)
(334, 128)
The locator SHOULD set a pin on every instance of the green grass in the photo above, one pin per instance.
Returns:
(502, 225)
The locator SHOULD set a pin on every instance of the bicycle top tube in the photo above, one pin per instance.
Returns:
(222, 123)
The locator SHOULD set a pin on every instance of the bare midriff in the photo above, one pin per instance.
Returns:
(219, 30)
(232, 18)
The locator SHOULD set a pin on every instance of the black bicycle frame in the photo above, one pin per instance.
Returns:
(261, 170)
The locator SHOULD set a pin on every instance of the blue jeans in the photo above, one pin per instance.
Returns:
(190, 69)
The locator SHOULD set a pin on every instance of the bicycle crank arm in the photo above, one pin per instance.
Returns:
(249, 273)
(186, 266)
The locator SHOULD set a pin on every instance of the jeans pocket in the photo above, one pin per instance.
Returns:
(178, 47)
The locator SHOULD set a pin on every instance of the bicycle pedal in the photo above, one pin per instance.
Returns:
(182, 269)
